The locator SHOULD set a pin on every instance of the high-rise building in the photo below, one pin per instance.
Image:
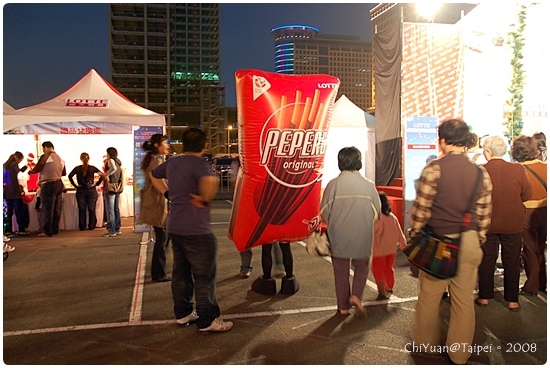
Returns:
(166, 58)
(301, 49)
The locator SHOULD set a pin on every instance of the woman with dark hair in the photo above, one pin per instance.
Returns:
(13, 194)
(388, 235)
(113, 174)
(442, 198)
(524, 151)
(350, 206)
(86, 192)
(153, 204)
(540, 139)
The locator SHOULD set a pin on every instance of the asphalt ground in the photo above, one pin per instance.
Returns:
(79, 298)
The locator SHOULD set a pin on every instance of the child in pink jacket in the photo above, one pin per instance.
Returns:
(387, 236)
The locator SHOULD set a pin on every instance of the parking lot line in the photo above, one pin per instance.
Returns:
(137, 298)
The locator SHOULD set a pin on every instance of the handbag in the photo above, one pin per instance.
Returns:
(317, 244)
(435, 254)
(115, 187)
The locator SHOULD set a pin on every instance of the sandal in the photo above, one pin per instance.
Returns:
(514, 309)
(480, 304)
(356, 302)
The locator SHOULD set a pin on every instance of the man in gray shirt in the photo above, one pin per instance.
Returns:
(51, 168)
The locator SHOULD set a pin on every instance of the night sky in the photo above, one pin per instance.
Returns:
(49, 47)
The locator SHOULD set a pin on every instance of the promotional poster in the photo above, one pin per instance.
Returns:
(283, 126)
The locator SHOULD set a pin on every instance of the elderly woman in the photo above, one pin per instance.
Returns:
(445, 186)
(524, 151)
(510, 189)
(350, 206)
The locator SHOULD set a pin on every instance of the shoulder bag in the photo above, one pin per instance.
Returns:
(438, 255)
(536, 176)
(118, 186)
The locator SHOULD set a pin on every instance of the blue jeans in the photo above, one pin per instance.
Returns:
(194, 271)
(113, 212)
(51, 196)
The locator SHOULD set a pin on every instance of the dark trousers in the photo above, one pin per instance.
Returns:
(534, 244)
(51, 194)
(22, 216)
(267, 260)
(246, 257)
(158, 264)
(86, 199)
(510, 251)
(194, 271)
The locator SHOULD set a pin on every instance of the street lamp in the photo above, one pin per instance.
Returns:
(229, 128)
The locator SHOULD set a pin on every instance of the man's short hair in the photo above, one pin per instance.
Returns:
(47, 144)
(194, 140)
(455, 132)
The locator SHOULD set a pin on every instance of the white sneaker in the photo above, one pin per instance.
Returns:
(118, 232)
(8, 248)
(218, 325)
(499, 271)
(6, 239)
(191, 317)
(109, 235)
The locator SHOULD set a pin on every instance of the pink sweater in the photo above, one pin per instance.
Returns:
(387, 235)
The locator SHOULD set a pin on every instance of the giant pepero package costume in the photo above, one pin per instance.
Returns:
(283, 125)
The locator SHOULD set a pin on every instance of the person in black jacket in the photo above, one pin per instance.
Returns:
(86, 193)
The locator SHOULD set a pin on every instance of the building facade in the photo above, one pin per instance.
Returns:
(166, 58)
(301, 49)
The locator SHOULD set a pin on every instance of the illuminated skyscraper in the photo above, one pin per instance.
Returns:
(166, 57)
(301, 49)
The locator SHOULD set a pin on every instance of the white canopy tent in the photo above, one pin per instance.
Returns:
(350, 126)
(89, 117)
(91, 106)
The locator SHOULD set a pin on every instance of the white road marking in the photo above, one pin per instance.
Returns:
(137, 303)
(137, 295)
(392, 300)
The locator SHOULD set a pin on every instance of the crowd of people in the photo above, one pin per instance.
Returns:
(509, 212)
(43, 180)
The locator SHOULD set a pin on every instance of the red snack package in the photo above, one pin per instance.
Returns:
(283, 124)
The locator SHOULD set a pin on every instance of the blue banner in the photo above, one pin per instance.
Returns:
(421, 146)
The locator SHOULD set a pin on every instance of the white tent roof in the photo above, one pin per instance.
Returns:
(349, 126)
(7, 107)
(91, 106)
(348, 114)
